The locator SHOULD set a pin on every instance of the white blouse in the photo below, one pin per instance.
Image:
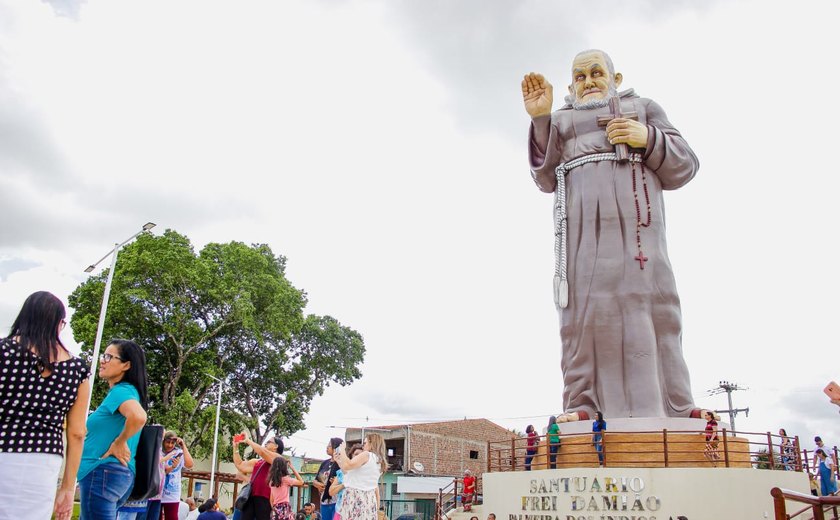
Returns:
(365, 477)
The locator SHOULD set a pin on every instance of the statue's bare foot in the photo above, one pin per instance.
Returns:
(573, 416)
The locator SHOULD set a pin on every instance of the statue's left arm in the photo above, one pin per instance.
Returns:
(667, 154)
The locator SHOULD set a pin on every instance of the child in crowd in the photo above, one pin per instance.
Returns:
(281, 483)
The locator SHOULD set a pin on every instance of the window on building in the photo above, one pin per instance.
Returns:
(474, 454)
(394, 489)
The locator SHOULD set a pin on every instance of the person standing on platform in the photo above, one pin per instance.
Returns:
(822, 446)
(531, 447)
(553, 436)
(825, 469)
(599, 425)
(786, 450)
(42, 388)
(711, 449)
(469, 491)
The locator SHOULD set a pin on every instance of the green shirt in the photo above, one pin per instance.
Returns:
(554, 434)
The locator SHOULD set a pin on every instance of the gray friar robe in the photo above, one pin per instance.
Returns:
(621, 332)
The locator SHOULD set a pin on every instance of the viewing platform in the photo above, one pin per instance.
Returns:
(651, 443)
(649, 468)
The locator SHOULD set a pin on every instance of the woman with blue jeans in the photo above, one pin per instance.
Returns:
(106, 473)
(599, 425)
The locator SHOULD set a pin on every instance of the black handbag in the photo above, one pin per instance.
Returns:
(244, 493)
(147, 463)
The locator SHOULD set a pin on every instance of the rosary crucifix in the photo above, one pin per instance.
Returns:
(622, 154)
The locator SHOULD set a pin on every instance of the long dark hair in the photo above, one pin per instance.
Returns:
(37, 326)
(599, 419)
(136, 374)
(279, 469)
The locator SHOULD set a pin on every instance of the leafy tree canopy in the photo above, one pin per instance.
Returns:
(227, 312)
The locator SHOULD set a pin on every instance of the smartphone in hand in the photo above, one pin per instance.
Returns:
(832, 390)
(239, 437)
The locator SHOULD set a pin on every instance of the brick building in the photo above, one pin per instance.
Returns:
(438, 448)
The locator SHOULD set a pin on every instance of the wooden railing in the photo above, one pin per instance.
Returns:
(659, 448)
(818, 506)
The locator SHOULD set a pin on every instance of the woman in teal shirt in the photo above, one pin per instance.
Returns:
(106, 473)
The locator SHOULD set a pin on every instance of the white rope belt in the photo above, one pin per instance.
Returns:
(561, 283)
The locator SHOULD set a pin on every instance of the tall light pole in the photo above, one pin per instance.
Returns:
(147, 226)
(215, 435)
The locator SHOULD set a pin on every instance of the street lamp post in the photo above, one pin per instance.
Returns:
(213, 461)
(105, 297)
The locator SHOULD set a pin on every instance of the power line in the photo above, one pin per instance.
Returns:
(726, 386)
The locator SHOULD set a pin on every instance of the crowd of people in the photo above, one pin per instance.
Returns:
(44, 396)
(347, 481)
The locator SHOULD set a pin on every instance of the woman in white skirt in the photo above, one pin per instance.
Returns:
(361, 479)
(41, 385)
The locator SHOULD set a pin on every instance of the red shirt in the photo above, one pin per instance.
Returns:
(259, 480)
(711, 426)
(532, 439)
(469, 484)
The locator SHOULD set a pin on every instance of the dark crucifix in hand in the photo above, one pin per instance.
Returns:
(621, 151)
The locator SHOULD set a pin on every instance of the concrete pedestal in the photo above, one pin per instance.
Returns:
(636, 493)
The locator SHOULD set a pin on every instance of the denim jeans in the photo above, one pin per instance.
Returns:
(327, 511)
(597, 439)
(552, 450)
(103, 490)
(529, 456)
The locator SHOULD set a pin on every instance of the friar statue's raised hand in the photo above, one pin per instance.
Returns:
(538, 95)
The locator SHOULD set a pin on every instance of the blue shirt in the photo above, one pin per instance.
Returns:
(103, 427)
(212, 515)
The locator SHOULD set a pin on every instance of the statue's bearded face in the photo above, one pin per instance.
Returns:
(591, 81)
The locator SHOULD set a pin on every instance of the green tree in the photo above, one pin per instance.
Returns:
(227, 312)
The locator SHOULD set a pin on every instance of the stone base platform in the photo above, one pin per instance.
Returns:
(618, 493)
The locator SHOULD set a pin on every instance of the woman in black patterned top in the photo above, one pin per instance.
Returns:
(41, 385)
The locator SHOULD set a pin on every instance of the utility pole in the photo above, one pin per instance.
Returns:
(726, 386)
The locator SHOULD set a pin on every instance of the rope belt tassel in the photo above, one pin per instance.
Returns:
(561, 282)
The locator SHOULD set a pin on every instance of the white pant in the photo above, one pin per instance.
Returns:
(29, 484)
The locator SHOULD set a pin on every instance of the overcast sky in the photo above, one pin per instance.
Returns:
(380, 146)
